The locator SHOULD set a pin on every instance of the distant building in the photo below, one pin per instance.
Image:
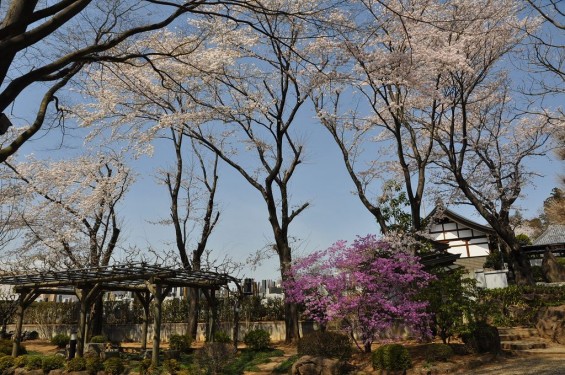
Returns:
(463, 236)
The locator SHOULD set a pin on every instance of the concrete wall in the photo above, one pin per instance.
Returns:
(132, 332)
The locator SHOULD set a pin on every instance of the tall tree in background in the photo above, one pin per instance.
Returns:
(484, 143)
(70, 218)
(150, 101)
(256, 105)
(45, 44)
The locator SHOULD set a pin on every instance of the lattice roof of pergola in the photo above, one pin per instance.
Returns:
(126, 277)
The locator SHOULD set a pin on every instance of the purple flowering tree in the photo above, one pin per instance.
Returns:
(370, 286)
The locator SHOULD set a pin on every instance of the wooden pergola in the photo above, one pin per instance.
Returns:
(148, 282)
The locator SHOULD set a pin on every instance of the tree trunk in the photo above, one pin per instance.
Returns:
(292, 328)
(519, 265)
(193, 300)
(97, 320)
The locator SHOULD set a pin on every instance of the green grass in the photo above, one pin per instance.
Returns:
(285, 367)
(248, 360)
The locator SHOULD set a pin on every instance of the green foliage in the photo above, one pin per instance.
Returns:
(34, 362)
(451, 297)
(523, 239)
(7, 345)
(61, 340)
(180, 342)
(494, 260)
(93, 364)
(213, 357)
(248, 361)
(391, 357)
(114, 366)
(76, 364)
(325, 344)
(52, 362)
(20, 361)
(480, 337)
(257, 339)
(6, 362)
(537, 273)
(99, 339)
(392, 204)
(517, 305)
(438, 352)
(172, 366)
(222, 337)
(144, 366)
(284, 367)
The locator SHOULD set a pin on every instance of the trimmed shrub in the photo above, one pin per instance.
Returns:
(93, 364)
(391, 357)
(222, 337)
(481, 337)
(214, 357)
(6, 362)
(52, 362)
(76, 364)
(172, 366)
(114, 366)
(325, 344)
(20, 361)
(180, 342)
(438, 352)
(61, 340)
(257, 340)
(6, 347)
(144, 366)
(99, 339)
(34, 362)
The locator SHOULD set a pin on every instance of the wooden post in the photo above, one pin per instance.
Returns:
(25, 299)
(85, 296)
(159, 295)
(214, 315)
(145, 300)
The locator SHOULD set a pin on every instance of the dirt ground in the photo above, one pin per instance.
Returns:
(549, 362)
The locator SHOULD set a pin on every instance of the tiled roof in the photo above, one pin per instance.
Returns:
(554, 234)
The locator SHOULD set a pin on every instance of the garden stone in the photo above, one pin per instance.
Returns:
(78, 373)
(35, 372)
(551, 323)
(58, 371)
(308, 365)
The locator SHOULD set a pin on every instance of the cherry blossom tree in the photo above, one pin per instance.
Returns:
(369, 285)
(149, 102)
(387, 88)
(71, 217)
(46, 43)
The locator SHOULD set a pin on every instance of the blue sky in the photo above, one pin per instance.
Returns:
(334, 213)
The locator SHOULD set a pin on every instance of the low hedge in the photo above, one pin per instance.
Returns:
(391, 357)
(325, 344)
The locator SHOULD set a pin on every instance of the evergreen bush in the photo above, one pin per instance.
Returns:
(325, 344)
(34, 362)
(52, 362)
(93, 364)
(6, 362)
(257, 340)
(76, 364)
(222, 337)
(391, 357)
(61, 340)
(481, 337)
(100, 339)
(114, 366)
(180, 342)
(6, 346)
